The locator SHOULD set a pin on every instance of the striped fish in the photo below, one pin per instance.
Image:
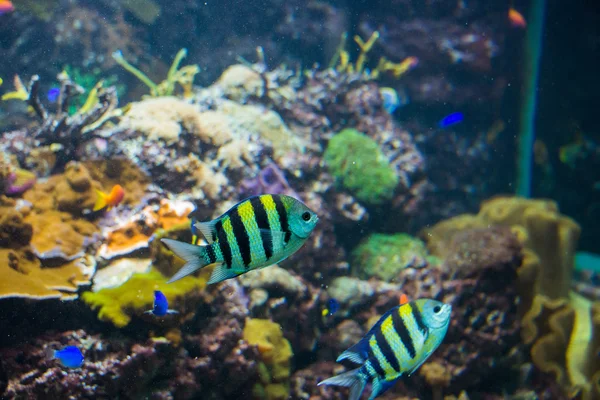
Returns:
(402, 339)
(255, 233)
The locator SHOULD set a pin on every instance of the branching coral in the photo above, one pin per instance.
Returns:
(66, 133)
(342, 63)
(183, 76)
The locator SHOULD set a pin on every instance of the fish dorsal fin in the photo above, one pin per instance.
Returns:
(207, 229)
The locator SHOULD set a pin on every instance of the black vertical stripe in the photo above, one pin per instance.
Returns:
(418, 318)
(404, 334)
(375, 364)
(223, 243)
(210, 253)
(241, 236)
(283, 219)
(386, 349)
(262, 220)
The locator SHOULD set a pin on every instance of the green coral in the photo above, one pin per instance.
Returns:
(384, 256)
(117, 305)
(359, 165)
(276, 353)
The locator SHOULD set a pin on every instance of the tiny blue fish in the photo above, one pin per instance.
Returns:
(53, 95)
(332, 307)
(451, 119)
(391, 101)
(70, 356)
(161, 305)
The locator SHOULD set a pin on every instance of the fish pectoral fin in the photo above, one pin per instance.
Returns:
(172, 312)
(221, 273)
(149, 312)
(207, 229)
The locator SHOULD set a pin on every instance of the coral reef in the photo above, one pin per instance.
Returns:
(550, 316)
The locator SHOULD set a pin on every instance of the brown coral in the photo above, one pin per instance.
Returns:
(73, 191)
(58, 235)
(23, 274)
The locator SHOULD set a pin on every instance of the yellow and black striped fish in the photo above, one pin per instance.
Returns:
(402, 339)
(255, 233)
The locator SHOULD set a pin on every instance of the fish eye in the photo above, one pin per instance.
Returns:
(306, 216)
(437, 309)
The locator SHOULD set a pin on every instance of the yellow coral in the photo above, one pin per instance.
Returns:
(118, 305)
(276, 353)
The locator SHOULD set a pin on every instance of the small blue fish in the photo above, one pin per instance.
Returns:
(451, 119)
(161, 305)
(53, 95)
(391, 101)
(332, 307)
(70, 356)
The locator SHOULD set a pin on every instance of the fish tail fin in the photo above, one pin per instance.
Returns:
(100, 200)
(352, 379)
(193, 256)
(50, 353)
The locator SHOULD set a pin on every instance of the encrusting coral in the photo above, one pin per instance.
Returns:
(357, 163)
(23, 274)
(385, 255)
(134, 297)
(275, 352)
(73, 191)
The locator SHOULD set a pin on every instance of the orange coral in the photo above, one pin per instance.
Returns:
(135, 234)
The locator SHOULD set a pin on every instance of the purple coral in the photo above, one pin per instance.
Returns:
(270, 179)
